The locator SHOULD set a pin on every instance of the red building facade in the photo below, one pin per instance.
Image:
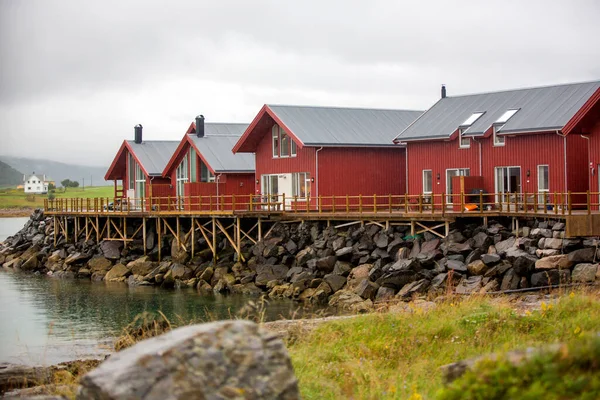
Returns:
(544, 146)
(303, 153)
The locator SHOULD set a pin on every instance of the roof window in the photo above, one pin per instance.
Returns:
(471, 120)
(506, 116)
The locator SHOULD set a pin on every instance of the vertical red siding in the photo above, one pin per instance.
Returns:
(438, 156)
(527, 152)
(594, 156)
(365, 171)
(206, 195)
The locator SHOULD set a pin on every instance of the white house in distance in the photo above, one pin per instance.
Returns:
(35, 183)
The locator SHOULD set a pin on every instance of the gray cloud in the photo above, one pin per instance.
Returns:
(76, 76)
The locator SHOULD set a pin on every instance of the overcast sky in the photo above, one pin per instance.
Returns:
(76, 76)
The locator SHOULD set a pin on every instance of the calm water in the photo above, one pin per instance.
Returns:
(45, 320)
(10, 226)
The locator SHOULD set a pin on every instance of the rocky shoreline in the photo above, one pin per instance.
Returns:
(351, 267)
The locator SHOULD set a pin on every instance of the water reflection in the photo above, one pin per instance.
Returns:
(44, 320)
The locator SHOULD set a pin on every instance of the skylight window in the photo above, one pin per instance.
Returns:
(471, 120)
(506, 116)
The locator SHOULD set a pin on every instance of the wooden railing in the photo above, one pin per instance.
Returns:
(545, 203)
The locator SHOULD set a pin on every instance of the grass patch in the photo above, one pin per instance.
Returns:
(17, 198)
(398, 356)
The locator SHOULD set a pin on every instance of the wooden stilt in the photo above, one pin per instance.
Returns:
(144, 233)
(159, 234)
(193, 237)
(108, 228)
(412, 228)
(55, 230)
(76, 229)
(124, 232)
(87, 230)
(97, 229)
(178, 232)
(447, 228)
(259, 229)
(214, 238)
(238, 238)
(66, 230)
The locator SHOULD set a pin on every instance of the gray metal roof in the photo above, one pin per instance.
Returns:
(216, 145)
(154, 154)
(334, 126)
(540, 108)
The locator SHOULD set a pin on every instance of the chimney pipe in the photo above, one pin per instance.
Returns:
(138, 133)
(443, 91)
(200, 126)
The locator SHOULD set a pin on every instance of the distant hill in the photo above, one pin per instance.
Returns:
(9, 176)
(94, 176)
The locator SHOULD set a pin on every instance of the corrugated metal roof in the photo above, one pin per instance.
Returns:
(154, 154)
(541, 108)
(216, 145)
(334, 126)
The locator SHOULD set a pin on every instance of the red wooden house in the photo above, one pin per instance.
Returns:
(206, 174)
(138, 166)
(517, 142)
(306, 152)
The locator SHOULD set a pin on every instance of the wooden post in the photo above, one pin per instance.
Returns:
(535, 203)
(589, 203)
(124, 232)
(545, 199)
(283, 202)
(444, 204)
(144, 233)
(66, 230)
(375, 203)
(347, 204)
(159, 234)
(412, 228)
(420, 203)
(193, 236)
(214, 238)
(320, 204)
(87, 230)
(525, 202)
(569, 202)
(238, 239)
(333, 203)
(178, 233)
(108, 227)
(447, 228)
(481, 201)
(462, 201)
(259, 229)
(390, 203)
(250, 205)
(55, 230)
(97, 229)
(406, 203)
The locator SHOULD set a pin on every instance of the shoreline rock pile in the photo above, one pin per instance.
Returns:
(349, 267)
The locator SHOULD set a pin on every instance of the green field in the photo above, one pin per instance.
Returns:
(16, 198)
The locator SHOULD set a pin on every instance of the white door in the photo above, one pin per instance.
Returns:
(449, 174)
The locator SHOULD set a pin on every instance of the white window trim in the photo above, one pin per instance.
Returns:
(430, 181)
(460, 139)
(496, 136)
(297, 183)
(275, 135)
(539, 176)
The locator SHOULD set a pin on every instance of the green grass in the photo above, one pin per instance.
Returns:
(16, 198)
(398, 356)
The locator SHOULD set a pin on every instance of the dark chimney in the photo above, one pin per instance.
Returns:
(138, 133)
(443, 91)
(200, 126)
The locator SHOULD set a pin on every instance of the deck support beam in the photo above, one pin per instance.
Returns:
(144, 233)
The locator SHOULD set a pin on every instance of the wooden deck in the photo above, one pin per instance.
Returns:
(423, 213)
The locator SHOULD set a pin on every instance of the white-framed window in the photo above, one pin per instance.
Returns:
(463, 142)
(140, 182)
(471, 120)
(182, 175)
(282, 144)
(294, 149)
(543, 178)
(427, 181)
(205, 174)
(301, 185)
(275, 138)
(193, 165)
(507, 115)
(499, 140)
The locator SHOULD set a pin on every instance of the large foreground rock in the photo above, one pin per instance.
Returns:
(219, 360)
